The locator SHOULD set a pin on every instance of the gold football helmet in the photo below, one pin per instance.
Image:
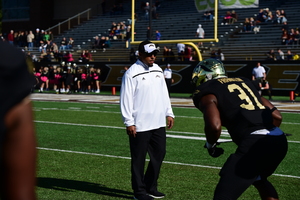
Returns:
(206, 70)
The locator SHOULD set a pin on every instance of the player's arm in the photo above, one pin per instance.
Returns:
(277, 118)
(19, 153)
(211, 114)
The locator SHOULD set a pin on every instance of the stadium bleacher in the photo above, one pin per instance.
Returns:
(179, 20)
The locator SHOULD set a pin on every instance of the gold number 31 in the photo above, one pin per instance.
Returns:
(243, 96)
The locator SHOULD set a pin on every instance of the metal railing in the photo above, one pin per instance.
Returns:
(67, 24)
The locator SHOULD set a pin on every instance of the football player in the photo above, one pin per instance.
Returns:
(253, 124)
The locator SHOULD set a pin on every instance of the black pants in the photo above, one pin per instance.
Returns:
(257, 155)
(152, 142)
(169, 83)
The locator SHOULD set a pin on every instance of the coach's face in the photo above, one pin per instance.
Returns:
(148, 58)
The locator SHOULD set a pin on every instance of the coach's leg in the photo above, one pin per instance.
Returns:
(157, 152)
(138, 150)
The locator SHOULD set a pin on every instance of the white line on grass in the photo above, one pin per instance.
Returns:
(100, 111)
(224, 132)
(128, 158)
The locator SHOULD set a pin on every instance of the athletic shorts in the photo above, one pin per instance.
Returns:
(257, 156)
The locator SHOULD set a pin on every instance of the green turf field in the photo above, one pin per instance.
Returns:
(84, 154)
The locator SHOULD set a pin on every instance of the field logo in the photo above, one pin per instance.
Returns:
(205, 5)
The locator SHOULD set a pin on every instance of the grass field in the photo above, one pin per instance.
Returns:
(84, 154)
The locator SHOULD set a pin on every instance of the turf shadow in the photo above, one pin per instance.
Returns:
(71, 185)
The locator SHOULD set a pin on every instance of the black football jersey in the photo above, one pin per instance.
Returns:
(239, 103)
(16, 80)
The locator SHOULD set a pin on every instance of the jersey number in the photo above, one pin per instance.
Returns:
(243, 96)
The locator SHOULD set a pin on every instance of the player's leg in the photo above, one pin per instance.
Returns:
(266, 190)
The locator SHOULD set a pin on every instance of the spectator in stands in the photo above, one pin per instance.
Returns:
(285, 37)
(10, 37)
(51, 36)
(200, 33)
(247, 25)
(252, 24)
(148, 33)
(283, 16)
(107, 42)
(226, 18)
(279, 54)
(180, 51)
(280, 17)
(146, 11)
(285, 27)
(208, 15)
(102, 44)
(296, 56)
(153, 12)
(260, 16)
(22, 39)
(96, 42)
(157, 35)
(112, 33)
(37, 37)
(30, 39)
(46, 36)
(268, 15)
(16, 39)
(63, 44)
(68, 57)
(88, 56)
(289, 55)
(70, 44)
(187, 53)
(296, 38)
(219, 55)
(82, 58)
(166, 54)
(271, 55)
(195, 56)
(291, 37)
(54, 47)
(234, 17)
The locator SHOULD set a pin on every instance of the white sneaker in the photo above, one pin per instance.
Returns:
(97, 91)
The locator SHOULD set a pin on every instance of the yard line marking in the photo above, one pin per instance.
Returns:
(223, 133)
(196, 138)
(100, 111)
(128, 158)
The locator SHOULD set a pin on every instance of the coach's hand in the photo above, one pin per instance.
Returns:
(131, 131)
(213, 150)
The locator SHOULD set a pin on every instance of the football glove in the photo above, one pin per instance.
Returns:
(213, 150)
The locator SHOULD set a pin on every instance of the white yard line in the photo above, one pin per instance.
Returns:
(128, 158)
(224, 133)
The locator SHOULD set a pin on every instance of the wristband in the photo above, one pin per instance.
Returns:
(273, 109)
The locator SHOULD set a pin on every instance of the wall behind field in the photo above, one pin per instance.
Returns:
(283, 76)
